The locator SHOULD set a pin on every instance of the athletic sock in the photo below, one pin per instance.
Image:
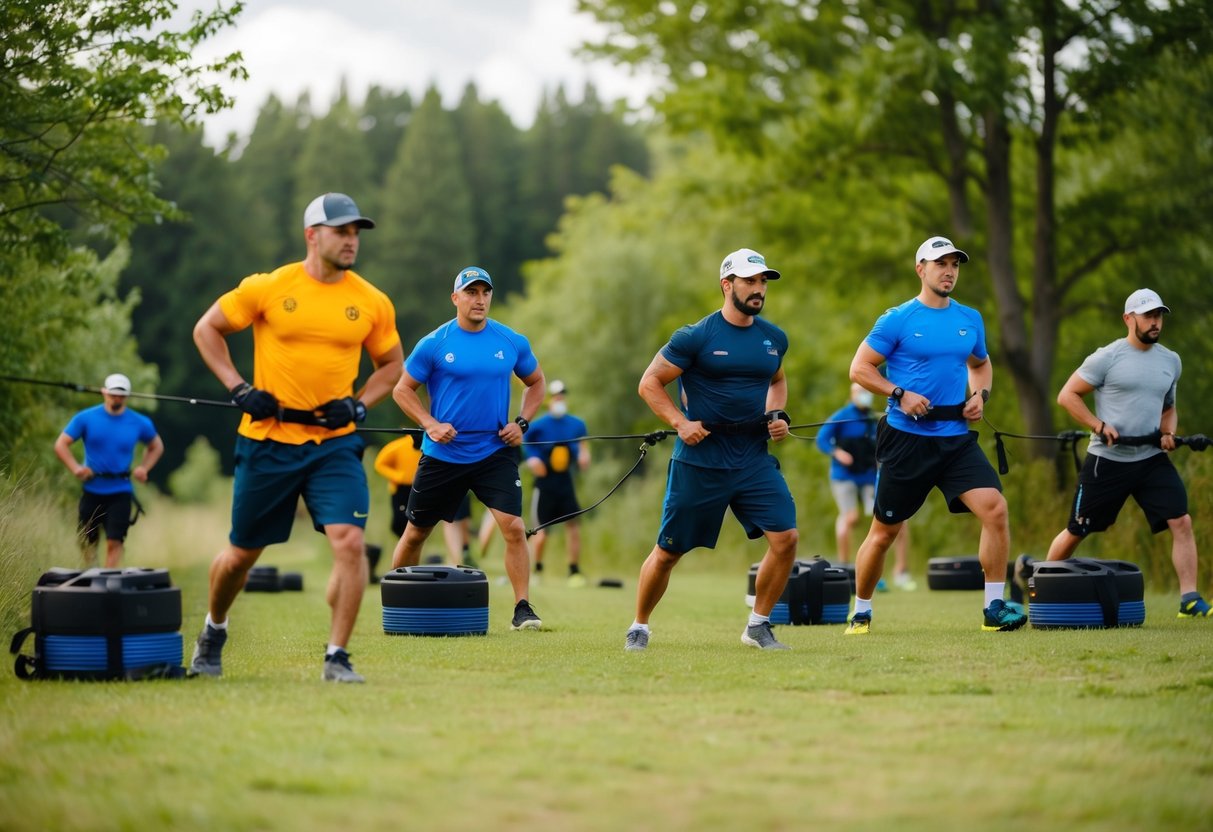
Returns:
(539, 566)
(994, 591)
(574, 569)
(210, 623)
(863, 605)
(756, 619)
(1189, 596)
(636, 625)
(331, 649)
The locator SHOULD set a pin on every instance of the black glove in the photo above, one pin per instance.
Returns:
(340, 412)
(256, 403)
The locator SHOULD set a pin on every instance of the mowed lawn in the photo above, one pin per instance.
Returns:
(926, 724)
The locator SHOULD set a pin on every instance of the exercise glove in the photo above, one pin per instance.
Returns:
(340, 412)
(256, 403)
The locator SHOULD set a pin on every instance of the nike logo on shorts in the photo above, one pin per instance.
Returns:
(362, 515)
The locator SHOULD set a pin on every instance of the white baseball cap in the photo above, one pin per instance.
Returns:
(937, 247)
(334, 209)
(1142, 301)
(117, 384)
(745, 262)
(557, 388)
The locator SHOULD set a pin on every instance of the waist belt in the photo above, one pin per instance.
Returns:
(299, 417)
(756, 428)
(113, 475)
(944, 413)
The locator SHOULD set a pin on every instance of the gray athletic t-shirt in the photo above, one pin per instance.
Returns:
(1132, 389)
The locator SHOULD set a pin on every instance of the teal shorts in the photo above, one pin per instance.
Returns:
(695, 500)
(272, 476)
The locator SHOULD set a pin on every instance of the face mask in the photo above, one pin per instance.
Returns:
(559, 408)
(863, 399)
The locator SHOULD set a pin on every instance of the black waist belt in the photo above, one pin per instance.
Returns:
(756, 428)
(300, 417)
(944, 413)
(115, 475)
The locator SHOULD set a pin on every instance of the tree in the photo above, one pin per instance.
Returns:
(79, 80)
(333, 158)
(965, 94)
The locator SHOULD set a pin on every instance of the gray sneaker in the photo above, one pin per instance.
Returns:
(337, 668)
(525, 617)
(760, 636)
(636, 640)
(208, 652)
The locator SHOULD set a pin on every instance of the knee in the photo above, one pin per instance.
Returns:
(783, 544)
(1181, 526)
(513, 531)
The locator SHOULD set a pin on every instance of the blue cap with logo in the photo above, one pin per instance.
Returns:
(745, 262)
(470, 275)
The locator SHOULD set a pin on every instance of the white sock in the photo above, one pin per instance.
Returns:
(636, 625)
(756, 619)
(994, 591)
(210, 623)
(863, 604)
(332, 648)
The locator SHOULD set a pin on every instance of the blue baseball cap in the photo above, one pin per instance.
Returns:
(470, 275)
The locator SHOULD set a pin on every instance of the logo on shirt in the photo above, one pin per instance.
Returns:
(450, 359)
(499, 354)
(720, 352)
(917, 334)
(962, 332)
(352, 313)
(770, 349)
(290, 305)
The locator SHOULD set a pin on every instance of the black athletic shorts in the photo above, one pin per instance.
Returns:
(911, 465)
(1105, 484)
(400, 505)
(111, 512)
(555, 501)
(440, 487)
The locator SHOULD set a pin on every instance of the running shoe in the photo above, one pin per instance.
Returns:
(861, 624)
(637, 639)
(525, 617)
(1002, 617)
(1196, 608)
(762, 637)
(337, 668)
(208, 652)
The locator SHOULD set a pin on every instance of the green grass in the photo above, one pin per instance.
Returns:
(928, 723)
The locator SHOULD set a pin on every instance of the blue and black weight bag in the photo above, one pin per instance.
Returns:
(102, 624)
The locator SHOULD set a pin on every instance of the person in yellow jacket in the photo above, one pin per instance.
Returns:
(397, 462)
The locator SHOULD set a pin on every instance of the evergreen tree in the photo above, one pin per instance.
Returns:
(334, 157)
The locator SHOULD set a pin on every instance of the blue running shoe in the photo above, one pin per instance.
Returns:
(1196, 608)
(1002, 617)
(861, 624)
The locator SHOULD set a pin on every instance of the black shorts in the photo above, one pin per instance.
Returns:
(465, 508)
(555, 501)
(400, 505)
(109, 511)
(911, 465)
(1105, 484)
(440, 487)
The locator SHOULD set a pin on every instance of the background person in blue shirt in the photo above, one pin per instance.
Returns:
(110, 432)
(729, 368)
(938, 380)
(849, 440)
(470, 441)
(552, 451)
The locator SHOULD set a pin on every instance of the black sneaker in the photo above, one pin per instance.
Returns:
(525, 617)
(337, 668)
(208, 652)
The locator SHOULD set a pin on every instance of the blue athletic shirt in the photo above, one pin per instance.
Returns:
(109, 444)
(467, 376)
(848, 423)
(550, 429)
(726, 372)
(927, 351)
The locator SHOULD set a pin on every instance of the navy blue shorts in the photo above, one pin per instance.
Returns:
(555, 501)
(911, 465)
(272, 476)
(440, 487)
(695, 500)
(111, 512)
(1105, 484)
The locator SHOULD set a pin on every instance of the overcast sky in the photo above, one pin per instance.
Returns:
(511, 49)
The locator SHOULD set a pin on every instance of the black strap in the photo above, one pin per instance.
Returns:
(1109, 598)
(755, 428)
(943, 413)
(299, 417)
(112, 475)
(26, 667)
(136, 509)
(815, 591)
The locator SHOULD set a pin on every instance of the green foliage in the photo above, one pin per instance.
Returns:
(37, 531)
(333, 158)
(199, 479)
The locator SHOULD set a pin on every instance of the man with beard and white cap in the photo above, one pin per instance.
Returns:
(110, 432)
(732, 390)
(1134, 380)
(938, 380)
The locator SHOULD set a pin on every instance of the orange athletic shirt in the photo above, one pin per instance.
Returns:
(397, 462)
(307, 342)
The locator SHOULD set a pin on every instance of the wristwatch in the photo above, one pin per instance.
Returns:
(985, 395)
(897, 394)
(522, 423)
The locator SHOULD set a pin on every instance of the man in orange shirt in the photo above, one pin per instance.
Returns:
(311, 320)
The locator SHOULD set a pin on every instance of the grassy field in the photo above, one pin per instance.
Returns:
(927, 724)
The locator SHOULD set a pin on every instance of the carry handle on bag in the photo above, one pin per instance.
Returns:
(26, 667)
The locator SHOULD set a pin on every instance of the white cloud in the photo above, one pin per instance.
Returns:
(512, 49)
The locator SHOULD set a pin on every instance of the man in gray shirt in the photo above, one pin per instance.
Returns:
(1134, 381)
